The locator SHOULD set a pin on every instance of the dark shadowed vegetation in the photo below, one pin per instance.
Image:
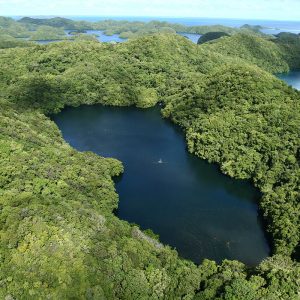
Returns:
(210, 36)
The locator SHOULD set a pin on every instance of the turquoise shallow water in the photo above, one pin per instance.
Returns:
(188, 202)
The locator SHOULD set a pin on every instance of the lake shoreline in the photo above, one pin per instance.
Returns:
(120, 185)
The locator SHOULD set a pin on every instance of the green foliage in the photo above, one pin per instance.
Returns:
(57, 22)
(39, 91)
(290, 45)
(86, 37)
(146, 97)
(44, 33)
(59, 236)
(75, 32)
(6, 21)
(11, 27)
(109, 32)
(255, 28)
(7, 41)
(254, 49)
(126, 35)
(139, 28)
(210, 36)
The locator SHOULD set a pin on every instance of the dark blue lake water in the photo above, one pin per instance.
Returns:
(188, 202)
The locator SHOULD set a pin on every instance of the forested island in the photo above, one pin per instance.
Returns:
(60, 237)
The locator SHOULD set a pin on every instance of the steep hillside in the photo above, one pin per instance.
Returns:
(253, 49)
(290, 45)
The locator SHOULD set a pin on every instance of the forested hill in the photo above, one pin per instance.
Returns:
(59, 236)
(263, 52)
(55, 22)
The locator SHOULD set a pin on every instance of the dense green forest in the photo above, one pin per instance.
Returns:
(60, 238)
(290, 44)
(264, 52)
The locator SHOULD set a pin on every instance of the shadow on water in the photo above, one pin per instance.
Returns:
(183, 199)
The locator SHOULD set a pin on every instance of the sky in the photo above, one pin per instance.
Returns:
(241, 9)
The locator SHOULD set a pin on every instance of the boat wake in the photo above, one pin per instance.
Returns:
(160, 161)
